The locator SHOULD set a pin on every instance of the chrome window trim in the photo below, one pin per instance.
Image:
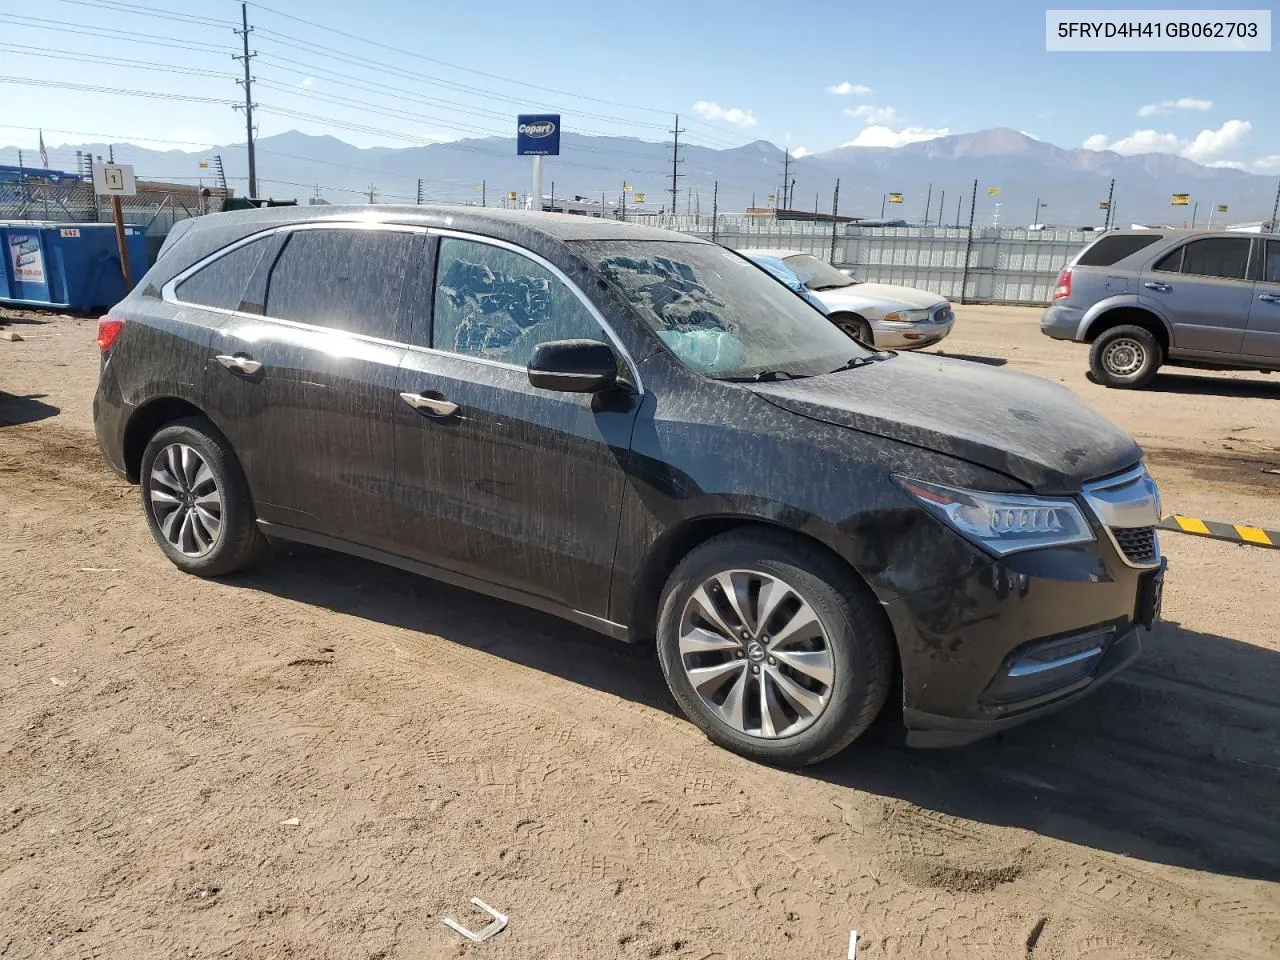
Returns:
(168, 293)
(1136, 514)
(559, 275)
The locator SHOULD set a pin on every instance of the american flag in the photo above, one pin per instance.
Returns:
(44, 154)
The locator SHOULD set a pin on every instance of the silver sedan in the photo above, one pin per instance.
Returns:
(899, 318)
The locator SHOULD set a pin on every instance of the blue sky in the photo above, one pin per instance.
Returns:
(809, 75)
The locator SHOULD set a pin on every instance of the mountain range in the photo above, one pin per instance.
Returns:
(1068, 183)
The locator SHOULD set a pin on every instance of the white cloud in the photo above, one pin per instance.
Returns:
(1168, 106)
(1202, 148)
(799, 152)
(873, 115)
(1210, 143)
(880, 136)
(1230, 164)
(307, 82)
(710, 110)
(846, 88)
(1270, 162)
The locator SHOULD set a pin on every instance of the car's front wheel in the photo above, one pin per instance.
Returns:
(773, 648)
(197, 501)
(1126, 357)
(854, 326)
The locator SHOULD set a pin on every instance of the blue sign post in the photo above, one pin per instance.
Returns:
(538, 136)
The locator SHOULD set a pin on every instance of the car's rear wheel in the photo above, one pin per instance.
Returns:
(854, 326)
(773, 648)
(196, 500)
(1126, 357)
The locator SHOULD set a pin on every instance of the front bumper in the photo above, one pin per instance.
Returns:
(912, 335)
(1025, 636)
(1061, 322)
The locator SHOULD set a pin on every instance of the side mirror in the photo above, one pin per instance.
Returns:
(847, 272)
(573, 366)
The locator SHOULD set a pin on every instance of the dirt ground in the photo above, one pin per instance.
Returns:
(159, 733)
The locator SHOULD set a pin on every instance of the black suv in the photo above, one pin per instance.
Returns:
(644, 433)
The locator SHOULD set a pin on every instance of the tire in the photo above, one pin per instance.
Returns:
(1126, 357)
(855, 326)
(851, 682)
(196, 500)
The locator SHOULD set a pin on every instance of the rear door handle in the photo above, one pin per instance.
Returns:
(1153, 285)
(243, 364)
(1269, 297)
(436, 406)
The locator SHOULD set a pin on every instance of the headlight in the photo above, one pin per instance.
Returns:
(908, 316)
(1003, 523)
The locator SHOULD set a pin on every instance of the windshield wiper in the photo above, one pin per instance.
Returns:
(854, 362)
(765, 376)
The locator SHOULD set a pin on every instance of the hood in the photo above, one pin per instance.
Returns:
(878, 297)
(1022, 426)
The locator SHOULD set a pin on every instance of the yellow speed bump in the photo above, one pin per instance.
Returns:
(1215, 530)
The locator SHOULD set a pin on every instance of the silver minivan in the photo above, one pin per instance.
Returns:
(1186, 298)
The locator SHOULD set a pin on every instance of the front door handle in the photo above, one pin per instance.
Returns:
(1269, 297)
(1153, 285)
(243, 364)
(436, 406)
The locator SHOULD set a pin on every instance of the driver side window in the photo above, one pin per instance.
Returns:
(494, 303)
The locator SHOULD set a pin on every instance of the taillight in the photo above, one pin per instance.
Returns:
(108, 329)
(1063, 289)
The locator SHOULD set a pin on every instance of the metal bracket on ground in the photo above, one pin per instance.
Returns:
(479, 936)
(1215, 530)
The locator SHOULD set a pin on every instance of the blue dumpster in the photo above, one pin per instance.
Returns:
(72, 266)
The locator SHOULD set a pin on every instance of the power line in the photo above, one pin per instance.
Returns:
(55, 54)
(110, 33)
(122, 91)
(454, 66)
(116, 5)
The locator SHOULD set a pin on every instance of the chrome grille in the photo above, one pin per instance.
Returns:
(1138, 544)
(1128, 507)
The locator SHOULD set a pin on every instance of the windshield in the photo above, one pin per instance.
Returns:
(720, 314)
(817, 274)
(784, 273)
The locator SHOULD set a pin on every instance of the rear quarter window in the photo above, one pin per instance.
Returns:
(222, 283)
(1111, 250)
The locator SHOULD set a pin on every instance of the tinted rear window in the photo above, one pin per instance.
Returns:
(1225, 257)
(350, 280)
(1111, 250)
(222, 283)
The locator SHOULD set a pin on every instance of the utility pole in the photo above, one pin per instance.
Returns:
(883, 196)
(623, 201)
(601, 204)
(1194, 210)
(553, 198)
(484, 195)
(968, 244)
(959, 203)
(1035, 218)
(715, 209)
(675, 166)
(247, 83)
(1110, 194)
(419, 191)
(786, 176)
(835, 213)
(942, 201)
(373, 193)
(928, 202)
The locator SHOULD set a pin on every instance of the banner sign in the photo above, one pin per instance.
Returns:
(538, 135)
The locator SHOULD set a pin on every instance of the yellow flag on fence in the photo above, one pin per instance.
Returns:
(895, 198)
(993, 191)
(639, 197)
(1104, 205)
(1222, 208)
(513, 195)
(1180, 199)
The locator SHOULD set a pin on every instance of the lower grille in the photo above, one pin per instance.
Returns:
(1138, 544)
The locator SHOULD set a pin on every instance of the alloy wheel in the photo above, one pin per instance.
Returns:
(756, 653)
(185, 500)
(1124, 357)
